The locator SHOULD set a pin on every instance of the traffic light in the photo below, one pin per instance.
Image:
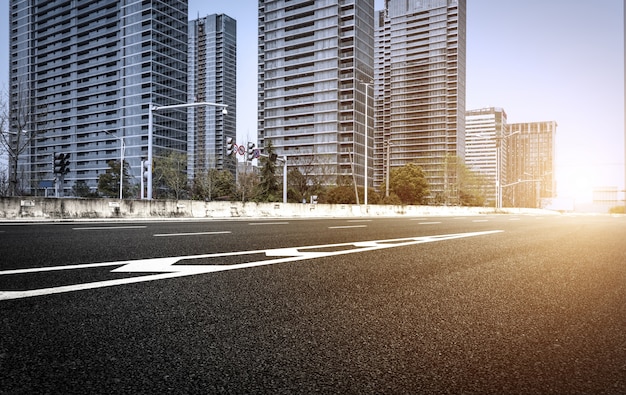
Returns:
(230, 146)
(61, 163)
(250, 155)
(145, 169)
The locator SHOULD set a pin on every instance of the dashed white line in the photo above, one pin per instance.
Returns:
(429, 223)
(190, 234)
(347, 226)
(480, 220)
(110, 227)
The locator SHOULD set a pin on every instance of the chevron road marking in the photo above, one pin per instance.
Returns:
(165, 268)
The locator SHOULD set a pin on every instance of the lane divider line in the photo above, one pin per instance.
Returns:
(191, 234)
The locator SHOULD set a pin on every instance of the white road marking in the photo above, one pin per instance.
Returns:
(359, 220)
(190, 234)
(55, 268)
(480, 220)
(167, 268)
(110, 227)
(347, 226)
(428, 223)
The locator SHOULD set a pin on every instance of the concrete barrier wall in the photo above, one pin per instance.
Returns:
(52, 208)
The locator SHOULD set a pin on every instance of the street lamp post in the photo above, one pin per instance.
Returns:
(121, 161)
(367, 85)
(153, 108)
(284, 178)
(388, 145)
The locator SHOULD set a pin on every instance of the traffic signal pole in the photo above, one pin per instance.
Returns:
(60, 167)
(252, 153)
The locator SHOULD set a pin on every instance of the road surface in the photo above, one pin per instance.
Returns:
(479, 304)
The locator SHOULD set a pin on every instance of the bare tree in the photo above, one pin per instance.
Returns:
(171, 171)
(19, 126)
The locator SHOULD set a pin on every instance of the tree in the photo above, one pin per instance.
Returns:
(297, 186)
(81, 189)
(214, 184)
(247, 182)
(308, 176)
(344, 194)
(171, 173)
(472, 187)
(224, 183)
(109, 182)
(340, 194)
(409, 184)
(18, 129)
(268, 189)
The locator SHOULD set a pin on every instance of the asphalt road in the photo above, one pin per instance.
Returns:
(485, 304)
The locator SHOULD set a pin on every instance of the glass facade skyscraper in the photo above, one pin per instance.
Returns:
(420, 91)
(88, 72)
(212, 78)
(531, 162)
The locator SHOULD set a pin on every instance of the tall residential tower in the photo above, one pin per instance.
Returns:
(85, 73)
(486, 148)
(420, 91)
(315, 85)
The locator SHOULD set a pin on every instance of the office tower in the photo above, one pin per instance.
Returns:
(212, 78)
(530, 163)
(485, 148)
(90, 70)
(420, 91)
(315, 74)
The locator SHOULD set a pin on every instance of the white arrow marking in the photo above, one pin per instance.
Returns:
(167, 267)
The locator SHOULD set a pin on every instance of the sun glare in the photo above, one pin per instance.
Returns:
(579, 188)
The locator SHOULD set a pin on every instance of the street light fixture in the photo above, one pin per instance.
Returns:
(153, 108)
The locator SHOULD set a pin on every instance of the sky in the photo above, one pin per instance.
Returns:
(539, 60)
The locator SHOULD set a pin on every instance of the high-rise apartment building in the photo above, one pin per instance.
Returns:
(530, 163)
(420, 90)
(516, 160)
(315, 85)
(88, 72)
(485, 148)
(212, 78)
